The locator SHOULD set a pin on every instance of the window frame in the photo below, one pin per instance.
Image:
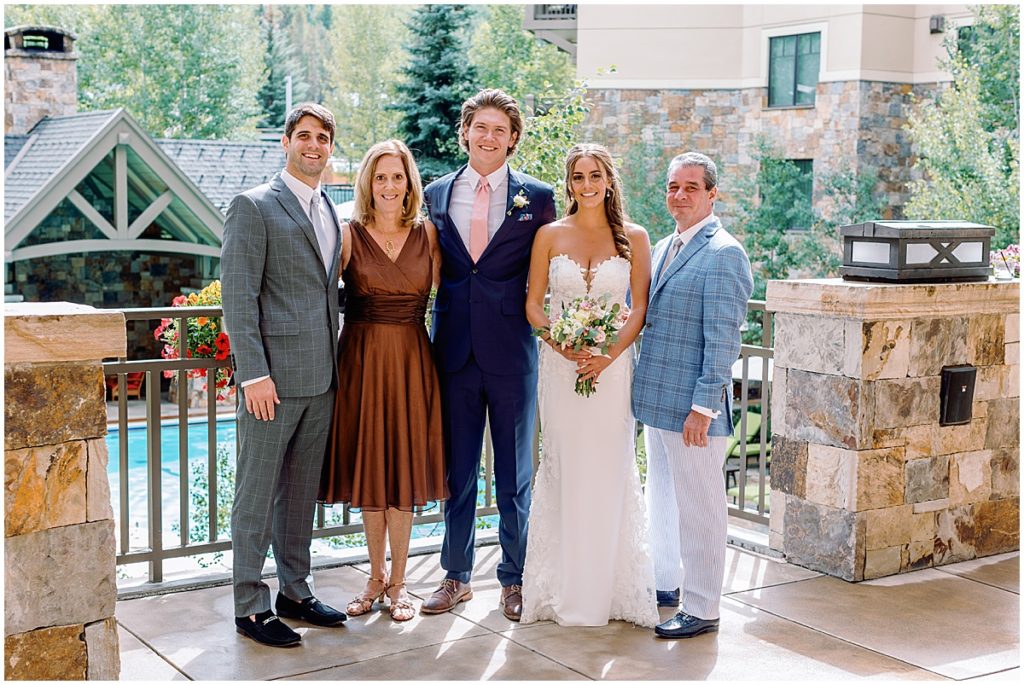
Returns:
(796, 70)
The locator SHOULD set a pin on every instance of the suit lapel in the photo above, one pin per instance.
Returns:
(686, 254)
(449, 227)
(291, 205)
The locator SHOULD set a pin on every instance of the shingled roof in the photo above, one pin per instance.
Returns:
(221, 168)
(52, 143)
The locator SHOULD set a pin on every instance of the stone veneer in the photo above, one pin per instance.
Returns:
(59, 550)
(865, 483)
(851, 125)
(38, 84)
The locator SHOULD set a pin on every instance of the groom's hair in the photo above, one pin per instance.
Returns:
(309, 109)
(496, 99)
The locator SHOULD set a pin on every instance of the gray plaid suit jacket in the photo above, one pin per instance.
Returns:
(280, 302)
(692, 336)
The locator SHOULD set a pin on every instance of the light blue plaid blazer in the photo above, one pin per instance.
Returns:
(692, 335)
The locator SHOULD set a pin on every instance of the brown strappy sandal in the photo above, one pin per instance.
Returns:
(401, 606)
(362, 603)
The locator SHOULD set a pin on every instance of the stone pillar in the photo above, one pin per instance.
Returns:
(59, 551)
(865, 483)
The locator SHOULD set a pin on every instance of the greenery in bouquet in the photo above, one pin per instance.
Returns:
(1007, 259)
(205, 338)
(587, 323)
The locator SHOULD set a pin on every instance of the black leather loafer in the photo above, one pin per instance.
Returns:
(683, 625)
(668, 598)
(310, 610)
(268, 630)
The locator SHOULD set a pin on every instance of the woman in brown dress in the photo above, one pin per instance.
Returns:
(385, 455)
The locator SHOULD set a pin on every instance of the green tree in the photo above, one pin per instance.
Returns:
(968, 139)
(182, 70)
(768, 203)
(280, 60)
(366, 55)
(438, 78)
(643, 185)
(508, 57)
(309, 29)
(548, 136)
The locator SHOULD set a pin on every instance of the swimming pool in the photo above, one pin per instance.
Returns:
(170, 482)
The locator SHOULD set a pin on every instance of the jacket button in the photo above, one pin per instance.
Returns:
(647, 325)
(474, 271)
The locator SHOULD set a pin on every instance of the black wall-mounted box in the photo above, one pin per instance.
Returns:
(957, 394)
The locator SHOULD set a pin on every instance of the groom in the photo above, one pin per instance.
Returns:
(681, 393)
(486, 216)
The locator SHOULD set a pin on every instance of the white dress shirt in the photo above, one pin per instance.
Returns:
(687, 236)
(460, 208)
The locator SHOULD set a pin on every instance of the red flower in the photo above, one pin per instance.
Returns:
(158, 332)
(203, 349)
(201, 373)
(222, 382)
(179, 301)
(168, 374)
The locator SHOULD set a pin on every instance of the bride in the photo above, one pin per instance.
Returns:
(587, 560)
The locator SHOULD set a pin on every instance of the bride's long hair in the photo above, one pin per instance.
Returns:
(613, 198)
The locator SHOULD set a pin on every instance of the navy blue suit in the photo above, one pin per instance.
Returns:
(487, 363)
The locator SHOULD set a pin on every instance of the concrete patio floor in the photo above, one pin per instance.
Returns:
(779, 622)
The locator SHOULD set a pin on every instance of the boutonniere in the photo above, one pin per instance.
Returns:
(519, 200)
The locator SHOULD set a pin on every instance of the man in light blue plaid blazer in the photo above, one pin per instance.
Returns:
(682, 390)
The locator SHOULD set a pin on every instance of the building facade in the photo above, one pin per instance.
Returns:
(830, 86)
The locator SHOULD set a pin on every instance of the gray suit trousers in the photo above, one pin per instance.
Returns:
(276, 482)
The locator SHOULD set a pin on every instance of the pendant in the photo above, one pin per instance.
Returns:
(389, 249)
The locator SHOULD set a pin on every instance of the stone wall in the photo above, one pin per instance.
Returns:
(59, 545)
(853, 124)
(865, 482)
(37, 84)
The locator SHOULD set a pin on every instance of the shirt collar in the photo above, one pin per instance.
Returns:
(688, 234)
(494, 179)
(299, 188)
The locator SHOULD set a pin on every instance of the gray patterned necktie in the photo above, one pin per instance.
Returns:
(673, 250)
(322, 237)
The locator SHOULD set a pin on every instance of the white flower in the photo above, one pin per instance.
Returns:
(519, 200)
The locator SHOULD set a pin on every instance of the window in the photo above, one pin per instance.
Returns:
(793, 69)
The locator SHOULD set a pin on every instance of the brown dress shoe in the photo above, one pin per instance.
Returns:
(446, 597)
(512, 602)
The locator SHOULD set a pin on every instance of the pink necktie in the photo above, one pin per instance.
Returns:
(478, 222)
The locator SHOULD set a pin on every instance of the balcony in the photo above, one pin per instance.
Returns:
(779, 622)
(555, 24)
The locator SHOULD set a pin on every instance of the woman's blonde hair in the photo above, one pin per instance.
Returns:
(613, 198)
(413, 202)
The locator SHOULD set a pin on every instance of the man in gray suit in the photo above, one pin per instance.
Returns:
(681, 392)
(279, 266)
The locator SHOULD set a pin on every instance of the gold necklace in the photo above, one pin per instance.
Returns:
(389, 245)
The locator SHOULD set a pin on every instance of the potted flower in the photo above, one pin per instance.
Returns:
(205, 339)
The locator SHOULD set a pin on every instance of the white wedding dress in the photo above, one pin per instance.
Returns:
(587, 558)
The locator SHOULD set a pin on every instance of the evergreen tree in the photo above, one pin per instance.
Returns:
(280, 61)
(438, 78)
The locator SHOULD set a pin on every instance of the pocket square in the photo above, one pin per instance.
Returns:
(525, 217)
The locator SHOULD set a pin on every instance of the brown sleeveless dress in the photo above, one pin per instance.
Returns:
(385, 448)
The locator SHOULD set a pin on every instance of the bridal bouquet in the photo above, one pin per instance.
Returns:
(587, 323)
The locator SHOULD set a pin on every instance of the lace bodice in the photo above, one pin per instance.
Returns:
(568, 280)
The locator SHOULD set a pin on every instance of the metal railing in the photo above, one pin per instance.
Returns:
(157, 549)
(552, 12)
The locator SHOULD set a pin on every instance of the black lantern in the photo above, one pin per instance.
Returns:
(916, 251)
